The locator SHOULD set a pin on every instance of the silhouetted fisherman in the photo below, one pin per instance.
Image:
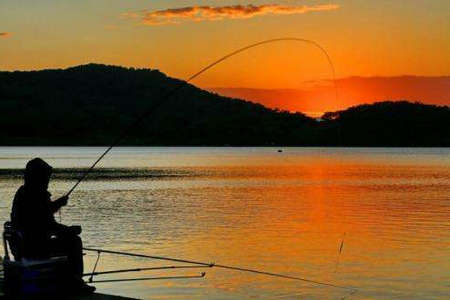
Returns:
(32, 214)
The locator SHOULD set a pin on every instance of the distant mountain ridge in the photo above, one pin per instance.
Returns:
(91, 104)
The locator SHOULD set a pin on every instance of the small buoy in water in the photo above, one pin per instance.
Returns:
(279, 150)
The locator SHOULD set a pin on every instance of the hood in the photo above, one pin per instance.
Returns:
(37, 174)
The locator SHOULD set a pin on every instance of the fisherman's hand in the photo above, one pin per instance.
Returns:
(75, 229)
(63, 200)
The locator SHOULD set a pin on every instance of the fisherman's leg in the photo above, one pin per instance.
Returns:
(77, 256)
(74, 252)
(73, 248)
(69, 245)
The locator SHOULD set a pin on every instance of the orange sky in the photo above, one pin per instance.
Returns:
(364, 38)
(315, 100)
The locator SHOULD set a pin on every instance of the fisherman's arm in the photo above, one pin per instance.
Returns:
(61, 229)
(57, 204)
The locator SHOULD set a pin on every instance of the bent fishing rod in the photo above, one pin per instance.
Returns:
(164, 99)
(203, 264)
(185, 83)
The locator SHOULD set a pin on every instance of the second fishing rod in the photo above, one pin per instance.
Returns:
(205, 265)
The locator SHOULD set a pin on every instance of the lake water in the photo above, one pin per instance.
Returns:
(257, 208)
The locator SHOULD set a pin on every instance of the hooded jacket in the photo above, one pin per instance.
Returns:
(32, 210)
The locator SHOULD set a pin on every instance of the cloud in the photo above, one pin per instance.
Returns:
(210, 13)
(5, 34)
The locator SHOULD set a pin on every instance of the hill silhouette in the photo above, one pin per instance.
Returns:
(91, 104)
(391, 123)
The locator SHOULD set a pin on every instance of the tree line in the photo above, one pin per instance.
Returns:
(91, 104)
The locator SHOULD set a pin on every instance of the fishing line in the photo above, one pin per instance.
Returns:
(341, 247)
(171, 92)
